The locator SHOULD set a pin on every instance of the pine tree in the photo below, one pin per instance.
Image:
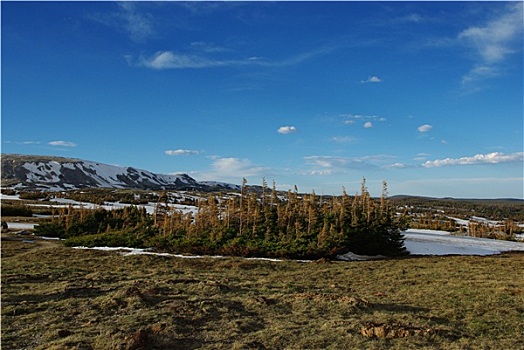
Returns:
(242, 192)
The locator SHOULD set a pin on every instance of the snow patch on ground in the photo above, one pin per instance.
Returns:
(140, 251)
(20, 226)
(433, 232)
(11, 197)
(427, 242)
(137, 251)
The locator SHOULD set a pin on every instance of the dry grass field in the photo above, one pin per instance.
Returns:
(55, 297)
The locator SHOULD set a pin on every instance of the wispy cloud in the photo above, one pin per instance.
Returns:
(424, 128)
(63, 143)
(397, 166)
(372, 79)
(327, 165)
(343, 139)
(411, 18)
(490, 158)
(172, 60)
(367, 120)
(207, 47)
(127, 18)
(492, 42)
(478, 73)
(287, 130)
(22, 142)
(139, 25)
(182, 152)
(206, 7)
(421, 156)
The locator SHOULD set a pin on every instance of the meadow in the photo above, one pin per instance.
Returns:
(56, 297)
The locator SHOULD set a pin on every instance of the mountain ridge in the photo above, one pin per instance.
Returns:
(53, 173)
(56, 173)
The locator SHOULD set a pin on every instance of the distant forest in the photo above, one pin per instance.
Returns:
(441, 214)
(261, 223)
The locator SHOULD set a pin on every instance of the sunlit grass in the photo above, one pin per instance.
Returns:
(59, 298)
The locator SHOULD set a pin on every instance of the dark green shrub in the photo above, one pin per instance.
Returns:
(109, 239)
(50, 229)
(16, 210)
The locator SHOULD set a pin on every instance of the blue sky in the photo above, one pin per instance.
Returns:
(425, 95)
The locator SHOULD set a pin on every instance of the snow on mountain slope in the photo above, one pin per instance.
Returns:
(221, 185)
(55, 173)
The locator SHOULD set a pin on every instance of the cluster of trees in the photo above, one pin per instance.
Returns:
(249, 223)
(130, 226)
(440, 220)
(506, 230)
(433, 222)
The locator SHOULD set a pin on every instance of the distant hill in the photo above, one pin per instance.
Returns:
(398, 199)
(59, 173)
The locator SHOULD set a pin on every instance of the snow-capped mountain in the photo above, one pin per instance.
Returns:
(58, 173)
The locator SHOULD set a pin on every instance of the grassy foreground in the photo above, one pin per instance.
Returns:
(55, 297)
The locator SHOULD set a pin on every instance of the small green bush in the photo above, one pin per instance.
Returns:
(108, 239)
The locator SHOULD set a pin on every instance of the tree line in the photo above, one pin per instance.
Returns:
(249, 223)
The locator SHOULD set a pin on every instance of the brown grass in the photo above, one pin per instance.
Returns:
(60, 298)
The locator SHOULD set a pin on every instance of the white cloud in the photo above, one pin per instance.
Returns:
(63, 143)
(181, 152)
(230, 167)
(371, 79)
(490, 158)
(287, 130)
(424, 128)
(368, 125)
